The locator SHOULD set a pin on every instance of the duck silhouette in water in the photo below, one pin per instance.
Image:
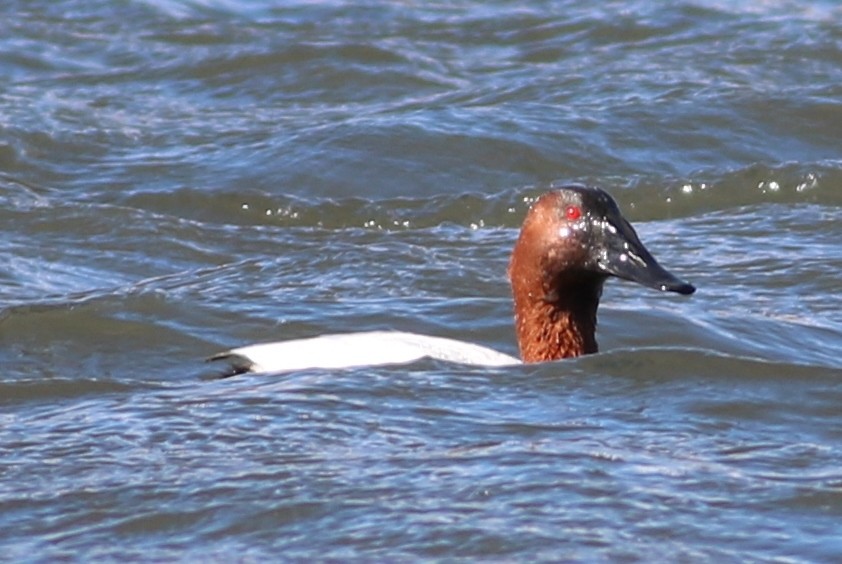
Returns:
(572, 239)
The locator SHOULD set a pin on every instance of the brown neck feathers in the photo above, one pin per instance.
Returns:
(554, 323)
(555, 296)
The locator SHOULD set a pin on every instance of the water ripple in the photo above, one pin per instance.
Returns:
(183, 176)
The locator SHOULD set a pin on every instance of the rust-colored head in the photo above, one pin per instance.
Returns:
(572, 240)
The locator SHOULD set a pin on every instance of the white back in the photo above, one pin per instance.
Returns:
(372, 348)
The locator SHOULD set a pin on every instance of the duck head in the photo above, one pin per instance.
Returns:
(571, 241)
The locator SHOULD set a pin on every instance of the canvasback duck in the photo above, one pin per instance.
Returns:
(572, 239)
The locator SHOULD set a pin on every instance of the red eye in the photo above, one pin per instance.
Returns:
(573, 213)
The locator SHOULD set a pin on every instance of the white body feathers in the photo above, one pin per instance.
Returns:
(372, 348)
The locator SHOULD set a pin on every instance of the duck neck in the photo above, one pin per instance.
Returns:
(556, 319)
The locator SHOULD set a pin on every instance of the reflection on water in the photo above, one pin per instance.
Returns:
(180, 177)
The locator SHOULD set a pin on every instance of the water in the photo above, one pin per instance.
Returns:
(178, 178)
